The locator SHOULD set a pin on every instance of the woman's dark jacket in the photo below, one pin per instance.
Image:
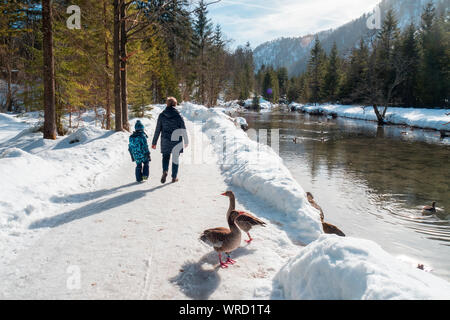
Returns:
(168, 122)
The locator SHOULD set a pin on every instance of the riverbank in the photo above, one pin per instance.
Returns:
(434, 119)
(124, 236)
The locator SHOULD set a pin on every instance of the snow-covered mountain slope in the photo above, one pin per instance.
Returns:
(293, 53)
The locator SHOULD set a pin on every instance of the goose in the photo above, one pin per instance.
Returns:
(245, 221)
(223, 239)
(327, 227)
(428, 211)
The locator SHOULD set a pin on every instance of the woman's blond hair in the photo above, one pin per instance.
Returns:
(171, 102)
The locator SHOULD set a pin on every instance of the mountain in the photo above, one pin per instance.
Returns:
(293, 53)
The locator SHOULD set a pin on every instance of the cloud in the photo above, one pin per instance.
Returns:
(258, 21)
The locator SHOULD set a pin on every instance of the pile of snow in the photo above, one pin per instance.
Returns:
(10, 126)
(56, 168)
(35, 172)
(421, 118)
(81, 136)
(294, 106)
(354, 269)
(241, 122)
(263, 104)
(230, 107)
(257, 169)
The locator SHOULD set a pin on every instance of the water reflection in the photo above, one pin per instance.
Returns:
(372, 181)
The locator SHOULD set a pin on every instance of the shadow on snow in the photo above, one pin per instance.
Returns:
(92, 209)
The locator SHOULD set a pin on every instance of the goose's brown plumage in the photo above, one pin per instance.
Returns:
(223, 239)
(245, 221)
(327, 227)
(427, 210)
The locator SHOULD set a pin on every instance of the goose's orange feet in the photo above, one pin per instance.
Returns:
(249, 241)
(230, 261)
(223, 265)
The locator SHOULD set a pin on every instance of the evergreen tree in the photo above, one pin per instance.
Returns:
(434, 68)
(201, 43)
(283, 78)
(316, 71)
(331, 80)
(354, 85)
(12, 27)
(409, 51)
(270, 86)
(386, 44)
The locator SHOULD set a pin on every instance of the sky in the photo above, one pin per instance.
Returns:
(258, 21)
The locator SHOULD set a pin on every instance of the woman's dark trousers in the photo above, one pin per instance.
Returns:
(165, 164)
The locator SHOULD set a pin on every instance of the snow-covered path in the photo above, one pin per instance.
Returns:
(140, 241)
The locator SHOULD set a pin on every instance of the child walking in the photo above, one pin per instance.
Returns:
(139, 152)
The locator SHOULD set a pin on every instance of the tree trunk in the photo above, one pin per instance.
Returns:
(380, 117)
(9, 93)
(49, 72)
(117, 100)
(107, 88)
(123, 66)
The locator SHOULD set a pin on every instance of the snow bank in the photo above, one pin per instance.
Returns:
(10, 126)
(421, 118)
(37, 175)
(59, 167)
(257, 169)
(353, 269)
(263, 104)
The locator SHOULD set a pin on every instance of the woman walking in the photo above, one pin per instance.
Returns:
(173, 133)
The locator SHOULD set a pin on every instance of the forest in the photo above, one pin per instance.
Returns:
(389, 67)
(125, 55)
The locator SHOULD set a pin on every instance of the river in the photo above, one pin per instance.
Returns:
(372, 182)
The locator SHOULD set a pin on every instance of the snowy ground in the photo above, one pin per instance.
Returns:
(74, 224)
(436, 119)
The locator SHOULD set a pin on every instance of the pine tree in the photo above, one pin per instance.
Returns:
(201, 42)
(316, 71)
(283, 78)
(409, 51)
(270, 86)
(386, 42)
(331, 80)
(12, 27)
(356, 77)
(434, 67)
(217, 73)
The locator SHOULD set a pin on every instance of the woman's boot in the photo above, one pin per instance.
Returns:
(164, 177)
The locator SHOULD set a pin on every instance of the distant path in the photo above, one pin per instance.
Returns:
(140, 241)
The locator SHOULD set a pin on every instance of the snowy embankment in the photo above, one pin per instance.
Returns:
(436, 119)
(35, 172)
(355, 269)
(257, 169)
(233, 106)
(329, 267)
